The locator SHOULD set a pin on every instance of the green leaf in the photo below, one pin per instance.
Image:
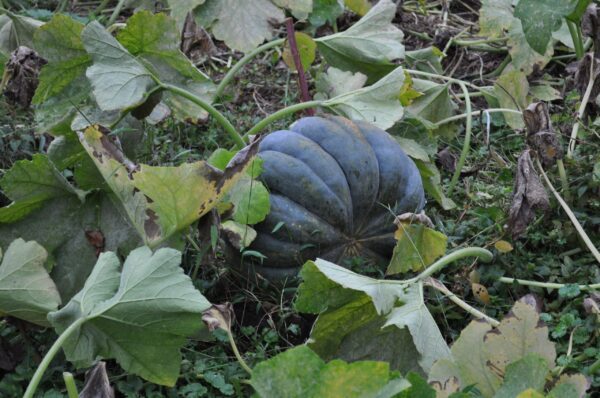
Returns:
(524, 58)
(140, 316)
(378, 104)
(495, 17)
(180, 10)
(416, 248)
(241, 25)
(528, 372)
(60, 226)
(540, 18)
(337, 82)
(360, 7)
(299, 372)
(119, 80)
(299, 8)
(306, 51)
(368, 318)
(29, 183)
(433, 105)
(432, 184)
(325, 11)
(545, 92)
(250, 200)
(511, 91)
(413, 149)
(26, 290)
(418, 387)
(154, 39)
(427, 59)
(16, 30)
(570, 386)
(60, 43)
(368, 46)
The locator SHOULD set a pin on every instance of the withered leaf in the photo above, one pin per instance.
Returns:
(218, 316)
(21, 76)
(540, 134)
(196, 43)
(96, 383)
(447, 159)
(590, 63)
(590, 26)
(529, 196)
(96, 239)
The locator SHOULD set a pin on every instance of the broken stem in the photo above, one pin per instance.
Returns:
(304, 96)
(466, 144)
(434, 283)
(243, 61)
(567, 209)
(546, 285)
(581, 111)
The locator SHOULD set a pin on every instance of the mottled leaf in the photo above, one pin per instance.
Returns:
(527, 373)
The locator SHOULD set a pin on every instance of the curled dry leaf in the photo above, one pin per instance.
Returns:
(412, 218)
(96, 383)
(96, 239)
(590, 26)
(196, 43)
(20, 78)
(529, 195)
(591, 304)
(218, 316)
(540, 134)
(447, 159)
(590, 63)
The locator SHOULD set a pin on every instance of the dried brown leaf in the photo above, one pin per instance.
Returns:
(96, 383)
(196, 43)
(540, 134)
(529, 196)
(218, 316)
(20, 78)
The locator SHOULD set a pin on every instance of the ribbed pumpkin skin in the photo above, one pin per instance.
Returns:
(334, 185)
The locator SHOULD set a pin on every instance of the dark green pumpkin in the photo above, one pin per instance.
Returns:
(335, 187)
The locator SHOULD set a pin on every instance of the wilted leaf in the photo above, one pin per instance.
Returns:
(503, 246)
(529, 372)
(196, 43)
(96, 383)
(218, 316)
(240, 235)
(299, 372)
(337, 82)
(152, 195)
(377, 104)
(26, 290)
(511, 90)
(139, 316)
(361, 317)
(306, 50)
(540, 134)
(529, 196)
(545, 92)
(432, 184)
(242, 25)
(368, 46)
(524, 58)
(29, 183)
(521, 332)
(21, 76)
(416, 248)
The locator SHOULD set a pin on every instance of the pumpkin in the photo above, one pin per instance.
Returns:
(335, 187)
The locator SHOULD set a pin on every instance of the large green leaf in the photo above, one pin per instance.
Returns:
(369, 318)
(540, 18)
(140, 316)
(524, 58)
(154, 38)
(241, 25)
(119, 80)
(368, 46)
(29, 183)
(378, 104)
(337, 82)
(325, 11)
(60, 43)
(26, 290)
(16, 30)
(299, 372)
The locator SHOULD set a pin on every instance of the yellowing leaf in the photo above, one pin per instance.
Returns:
(359, 7)
(503, 246)
(530, 393)
(417, 247)
(306, 50)
(480, 293)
